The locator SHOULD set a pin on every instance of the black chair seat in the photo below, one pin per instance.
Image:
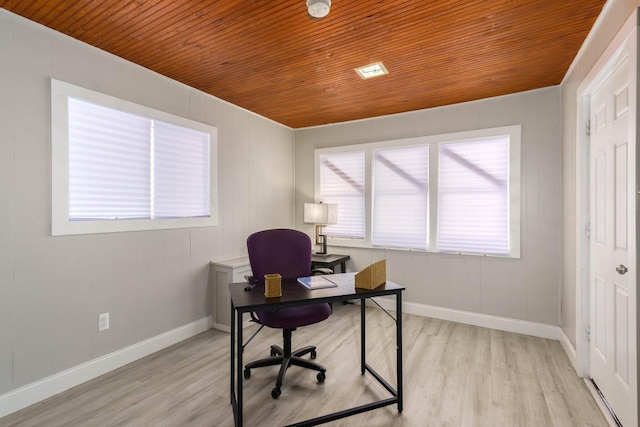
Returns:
(294, 317)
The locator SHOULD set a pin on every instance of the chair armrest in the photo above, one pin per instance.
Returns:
(251, 279)
(321, 271)
(252, 283)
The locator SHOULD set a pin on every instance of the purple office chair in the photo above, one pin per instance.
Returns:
(287, 252)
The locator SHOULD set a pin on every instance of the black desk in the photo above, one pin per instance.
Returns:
(294, 294)
(330, 261)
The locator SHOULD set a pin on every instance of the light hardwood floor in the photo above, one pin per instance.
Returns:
(454, 375)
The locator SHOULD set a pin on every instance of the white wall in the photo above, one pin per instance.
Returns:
(526, 288)
(609, 23)
(52, 289)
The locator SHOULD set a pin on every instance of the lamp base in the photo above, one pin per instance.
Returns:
(323, 242)
(321, 254)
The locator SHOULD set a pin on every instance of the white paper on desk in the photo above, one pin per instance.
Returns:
(316, 282)
(342, 278)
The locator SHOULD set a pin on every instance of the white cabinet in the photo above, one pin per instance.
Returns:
(223, 272)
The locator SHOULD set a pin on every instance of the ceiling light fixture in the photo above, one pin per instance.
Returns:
(372, 70)
(318, 8)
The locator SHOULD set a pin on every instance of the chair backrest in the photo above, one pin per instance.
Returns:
(280, 250)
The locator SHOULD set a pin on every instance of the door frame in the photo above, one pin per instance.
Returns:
(602, 69)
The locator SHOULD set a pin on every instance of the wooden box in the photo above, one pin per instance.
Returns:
(272, 285)
(372, 276)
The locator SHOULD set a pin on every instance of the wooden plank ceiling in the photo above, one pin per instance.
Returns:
(272, 58)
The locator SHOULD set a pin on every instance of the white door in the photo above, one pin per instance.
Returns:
(612, 243)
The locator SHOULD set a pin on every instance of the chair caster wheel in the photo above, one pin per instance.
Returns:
(273, 353)
(313, 354)
(321, 377)
(276, 392)
(247, 373)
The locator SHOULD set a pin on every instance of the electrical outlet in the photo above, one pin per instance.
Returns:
(103, 322)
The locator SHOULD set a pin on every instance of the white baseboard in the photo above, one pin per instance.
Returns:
(570, 350)
(222, 327)
(540, 330)
(29, 394)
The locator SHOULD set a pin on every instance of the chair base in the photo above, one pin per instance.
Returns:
(285, 358)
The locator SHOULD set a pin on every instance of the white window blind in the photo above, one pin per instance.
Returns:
(401, 198)
(109, 163)
(342, 181)
(473, 202)
(125, 166)
(181, 172)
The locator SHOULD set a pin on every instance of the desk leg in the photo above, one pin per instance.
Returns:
(399, 347)
(232, 369)
(239, 365)
(362, 336)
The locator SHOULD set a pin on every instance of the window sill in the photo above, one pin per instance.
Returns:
(361, 244)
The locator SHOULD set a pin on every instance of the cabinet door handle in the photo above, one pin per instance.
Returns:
(621, 269)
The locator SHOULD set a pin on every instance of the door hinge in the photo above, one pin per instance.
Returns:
(588, 127)
(589, 333)
(587, 231)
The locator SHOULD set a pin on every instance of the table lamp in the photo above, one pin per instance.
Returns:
(321, 214)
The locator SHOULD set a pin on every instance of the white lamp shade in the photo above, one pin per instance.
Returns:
(320, 213)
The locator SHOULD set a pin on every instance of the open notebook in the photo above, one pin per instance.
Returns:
(316, 282)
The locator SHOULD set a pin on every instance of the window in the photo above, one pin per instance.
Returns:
(401, 197)
(109, 163)
(119, 166)
(342, 182)
(473, 203)
(454, 193)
